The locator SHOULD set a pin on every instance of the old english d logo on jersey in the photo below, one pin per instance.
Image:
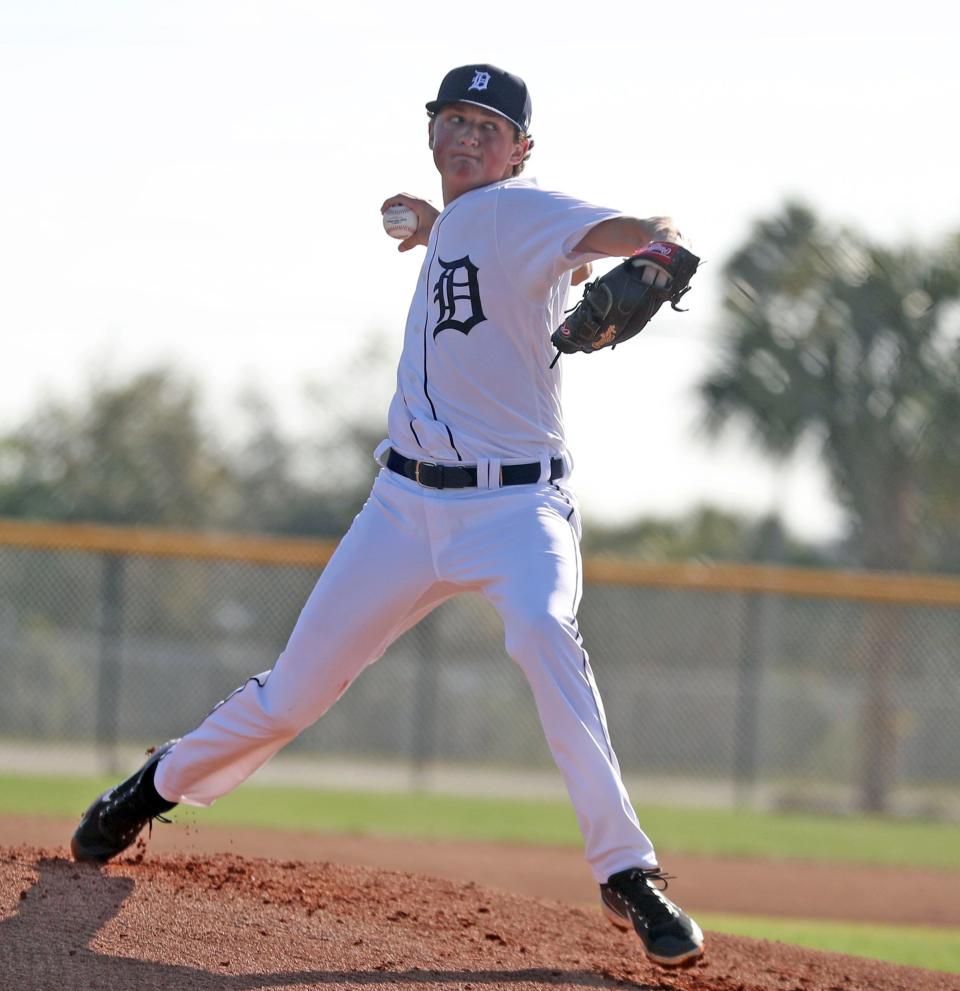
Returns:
(457, 294)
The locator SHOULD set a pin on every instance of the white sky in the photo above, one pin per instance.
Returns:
(199, 182)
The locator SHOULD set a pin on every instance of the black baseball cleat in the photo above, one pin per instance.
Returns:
(669, 936)
(115, 819)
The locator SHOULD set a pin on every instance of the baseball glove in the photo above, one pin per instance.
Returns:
(621, 303)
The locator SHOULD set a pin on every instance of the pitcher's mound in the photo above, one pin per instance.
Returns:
(227, 923)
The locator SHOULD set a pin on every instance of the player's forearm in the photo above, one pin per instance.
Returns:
(621, 236)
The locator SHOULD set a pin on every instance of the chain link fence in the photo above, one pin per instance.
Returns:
(761, 686)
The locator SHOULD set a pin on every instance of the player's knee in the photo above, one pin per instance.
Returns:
(531, 631)
(291, 716)
(290, 722)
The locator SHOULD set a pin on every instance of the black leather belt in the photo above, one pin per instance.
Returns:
(436, 476)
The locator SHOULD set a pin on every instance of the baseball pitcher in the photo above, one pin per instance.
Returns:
(472, 494)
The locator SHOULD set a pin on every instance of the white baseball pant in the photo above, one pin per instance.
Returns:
(408, 550)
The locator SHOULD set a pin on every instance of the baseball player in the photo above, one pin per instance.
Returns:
(471, 496)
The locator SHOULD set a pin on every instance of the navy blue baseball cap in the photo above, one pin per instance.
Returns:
(488, 87)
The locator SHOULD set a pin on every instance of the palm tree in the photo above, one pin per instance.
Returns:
(827, 334)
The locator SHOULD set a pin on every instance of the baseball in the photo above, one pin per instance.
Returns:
(399, 222)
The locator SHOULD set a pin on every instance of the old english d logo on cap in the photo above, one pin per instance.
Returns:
(481, 80)
(489, 87)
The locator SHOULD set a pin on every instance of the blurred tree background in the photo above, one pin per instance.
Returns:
(821, 332)
(145, 450)
(826, 333)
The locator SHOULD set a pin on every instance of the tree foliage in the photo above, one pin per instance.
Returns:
(825, 332)
(707, 534)
(136, 451)
(146, 450)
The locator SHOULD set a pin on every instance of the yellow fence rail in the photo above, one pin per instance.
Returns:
(859, 586)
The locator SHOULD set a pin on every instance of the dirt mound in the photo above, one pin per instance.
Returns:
(226, 923)
(794, 889)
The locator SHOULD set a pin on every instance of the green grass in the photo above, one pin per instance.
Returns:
(915, 946)
(854, 839)
(710, 832)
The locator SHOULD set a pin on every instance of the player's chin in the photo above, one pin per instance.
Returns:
(463, 180)
(461, 166)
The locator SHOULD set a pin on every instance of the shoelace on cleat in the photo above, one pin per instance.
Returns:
(158, 818)
(645, 897)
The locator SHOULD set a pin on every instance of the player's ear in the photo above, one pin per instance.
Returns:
(430, 133)
(519, 150)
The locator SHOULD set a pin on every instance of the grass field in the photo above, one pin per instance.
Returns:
(915, 946)
(711, 832)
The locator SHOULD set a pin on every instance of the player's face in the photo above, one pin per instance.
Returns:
(473, 147)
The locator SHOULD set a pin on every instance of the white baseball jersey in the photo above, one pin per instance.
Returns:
(474, 380)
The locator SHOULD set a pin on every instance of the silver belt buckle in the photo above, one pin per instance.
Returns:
(416, 470)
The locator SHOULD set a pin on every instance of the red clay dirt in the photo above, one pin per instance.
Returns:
(743, 886)
(226, 923)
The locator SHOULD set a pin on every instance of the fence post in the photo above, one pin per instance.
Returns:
(747, 710)
(108, 673)
(882, 656)
(426, 693)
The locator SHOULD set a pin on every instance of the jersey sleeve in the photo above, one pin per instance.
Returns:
(537, 231)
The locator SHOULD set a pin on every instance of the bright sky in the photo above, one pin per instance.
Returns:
(198, 181)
